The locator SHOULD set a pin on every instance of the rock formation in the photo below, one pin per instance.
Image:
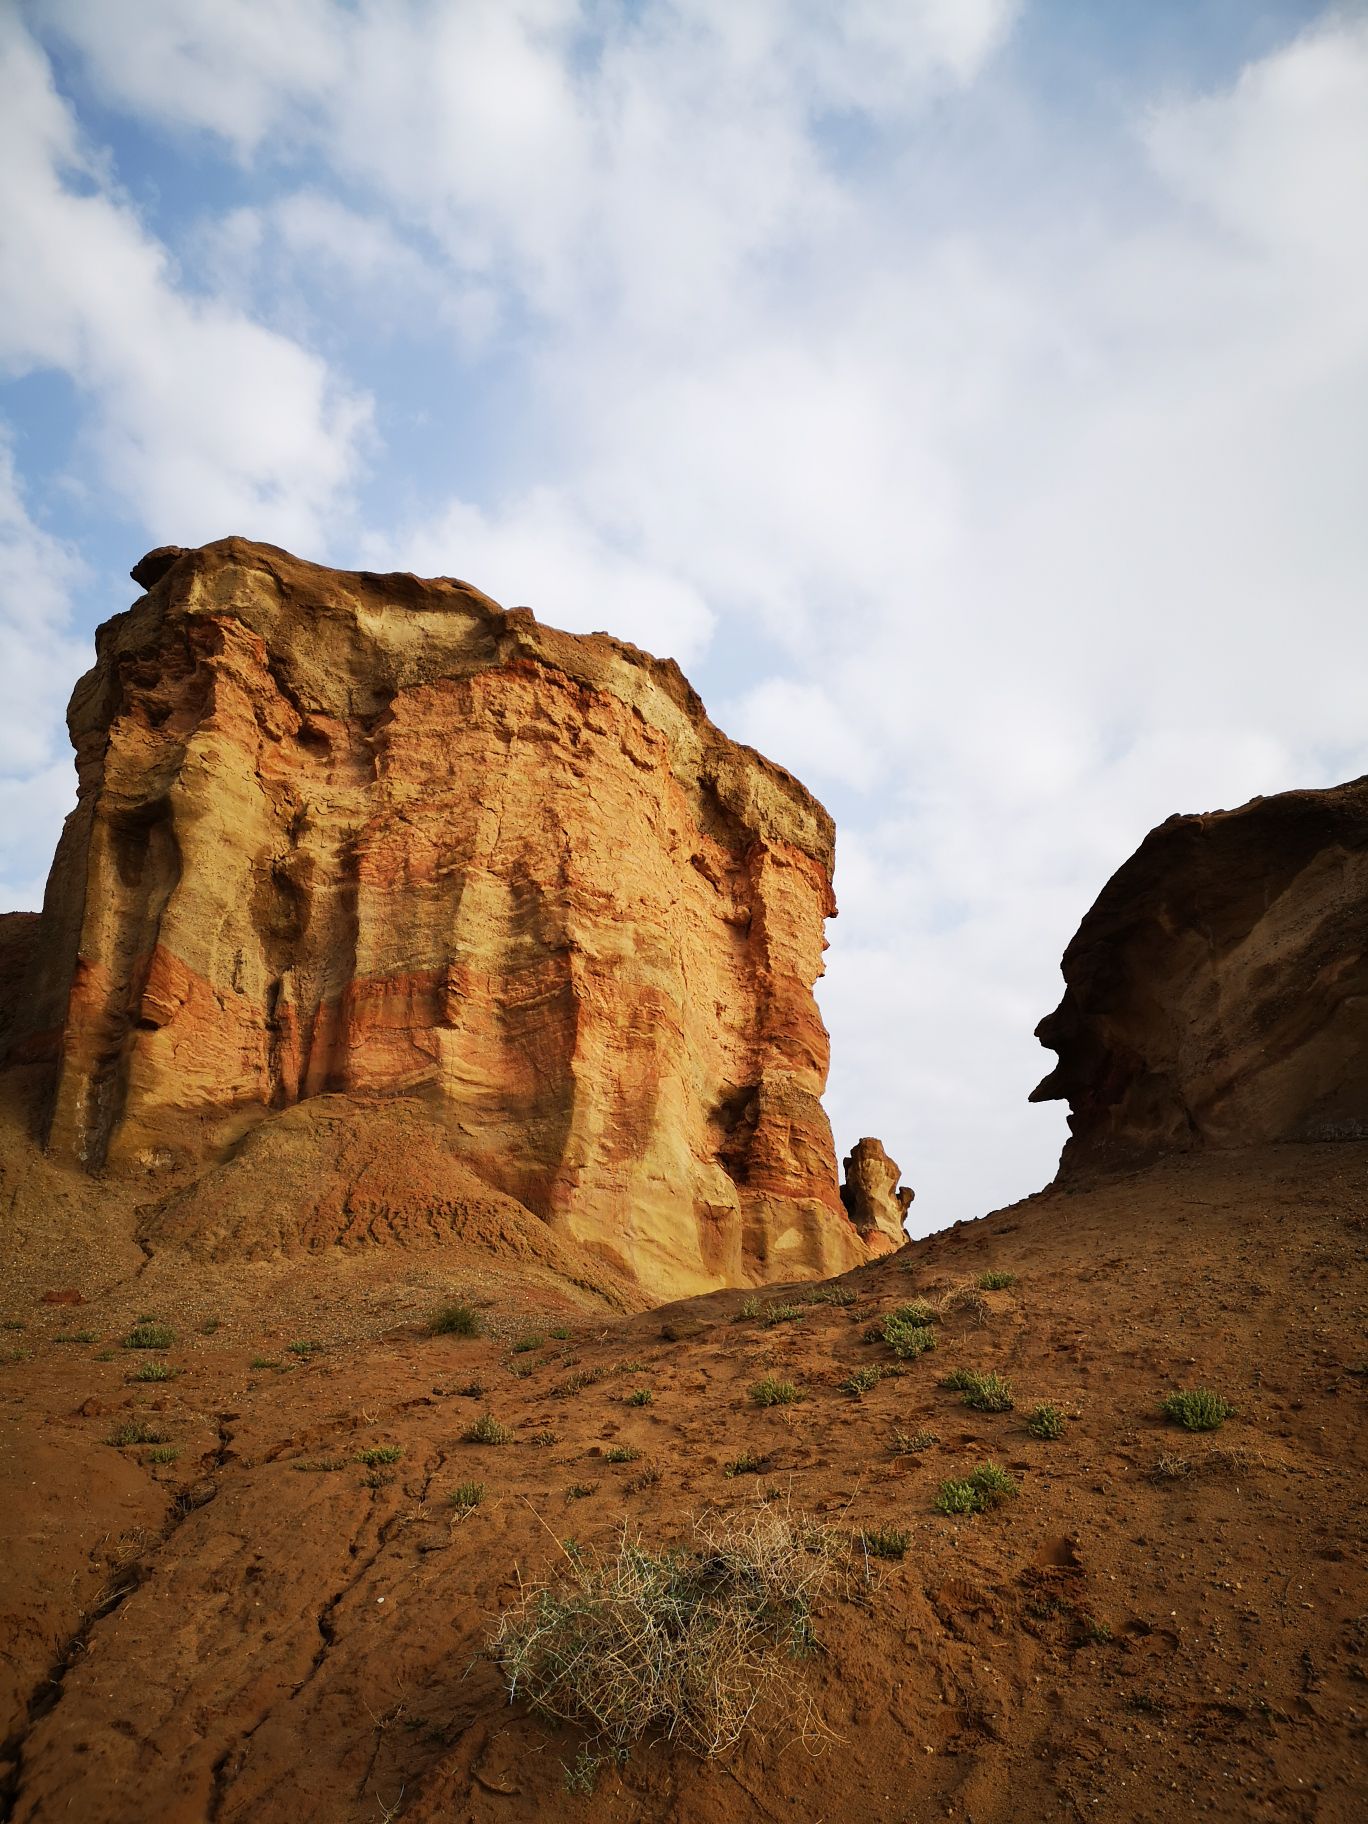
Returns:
(370, 835)
(1217, 993)
(874, 1200)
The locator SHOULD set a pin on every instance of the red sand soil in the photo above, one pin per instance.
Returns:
(265, 1630)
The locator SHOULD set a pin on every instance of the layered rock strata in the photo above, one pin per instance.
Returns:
(366, 835)
(874, 1199)
(1217, 993)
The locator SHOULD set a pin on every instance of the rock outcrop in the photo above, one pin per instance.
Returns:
(1217, 993)
(874, 1200)
(369, 835)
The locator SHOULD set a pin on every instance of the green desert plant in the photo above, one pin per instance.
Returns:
(455, 1320)
(1197, 1409)
(1045, 1421)
(163, 1454)
(833, 1295)
(681, 1643)
(983, 1392)
(467, 1496)
(149, 1333)
(486, 1430)
(380, 1453)
(304, 1348)
(910, 1443)
(640, 1396)
(995, 1282)
(646, 1477)
(621, 1453)
(747, 1464)
(154, 1371)
(320, 1466)
(544, 1439)
(580, 1491)
(861, 1382)
(526, 1343)
(782, 1314)
(907, 1340)
(771, 1390)
(885, 1542)
(982, 1488)
(136, 1431)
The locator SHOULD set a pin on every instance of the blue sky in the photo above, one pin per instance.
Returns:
(970, 393)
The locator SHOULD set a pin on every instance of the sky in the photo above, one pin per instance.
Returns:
(972, 395)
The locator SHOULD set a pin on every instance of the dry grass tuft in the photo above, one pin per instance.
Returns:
(966, 1300)
(686, 1643)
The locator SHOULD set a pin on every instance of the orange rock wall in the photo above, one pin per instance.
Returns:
(360, 834)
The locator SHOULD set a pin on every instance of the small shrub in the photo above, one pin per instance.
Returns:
(466, 1497)
(1097, 1633)
(380, 1453)
(75, 1336)
(210, 1325)
(967, 1299)
(632, 1367)
(906, 1340)
(995, 1282)
(163, 1453)
(747, 1464)
(148, 1333)
(749, 1307)
(640, 1396)
(1197, 1410)
(263, 1361)
(982, 1488)
(473, 1390)
(559, 1332)
(153, 1371)
(486, 1430)
(526, 1343)
(304, 1348)
(455, 1320)
(909, 1443)
(916, 1314)
(886, 1542)
(544, 1439)
(833, 1295)
(580, 1491)
(646, 1477)
(681, 1644)
(1045, 1421)
(136, 1431)
(862, 1381)
(982, 1392)
(782, 1314)
(320, 1466)
(621, 1453)
(772, 1391)
(581, 1777)
(575, 1383)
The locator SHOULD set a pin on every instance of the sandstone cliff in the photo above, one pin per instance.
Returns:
(367, 835)
(1217, 993)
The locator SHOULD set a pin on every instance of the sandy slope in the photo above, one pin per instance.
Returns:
(239, 1636)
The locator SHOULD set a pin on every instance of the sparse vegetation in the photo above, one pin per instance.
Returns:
(771, 1390)
(906, 1339)
(1197, 1409)
(163, 1454)
(576, 1382)
(782, 1314)
(526, 1343)
(749, 1307)
(909, 1443)
(320, 1466)
(560, 1332)
(581, 1777)
(473, 1390)
(149, 1333)
(303, 1347)
(646, 1477)
(380, 1453)
(580, 1491)
(640, 1396)
(1097, 1633)
(263, 1361)
(995, 1282)
(544, 1439)
(135, 1431)
(747, 1464)
(833, 1295)
(1045, 1421)
(985, 1487)
(210, 1325)
(983, 1392)
(885, 1542)
(967, 1299)
(154, 1371)
(681, 1643)
(861, 1382)
(621, 1453)
(466, 1497)
(75, 1336)
(487, 1430)
(455, 1320)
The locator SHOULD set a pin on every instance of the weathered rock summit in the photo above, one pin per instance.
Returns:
(874, 1199)
(370, 836)
(1217, 993)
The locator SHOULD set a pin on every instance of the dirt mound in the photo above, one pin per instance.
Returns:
(337, 1173)
(280, 1611)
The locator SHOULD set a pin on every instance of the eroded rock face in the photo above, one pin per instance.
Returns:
(1217, 993)
(357, 834)
(875, 1202)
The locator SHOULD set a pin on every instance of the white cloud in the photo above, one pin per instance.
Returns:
(204, 422)
(39, 575)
